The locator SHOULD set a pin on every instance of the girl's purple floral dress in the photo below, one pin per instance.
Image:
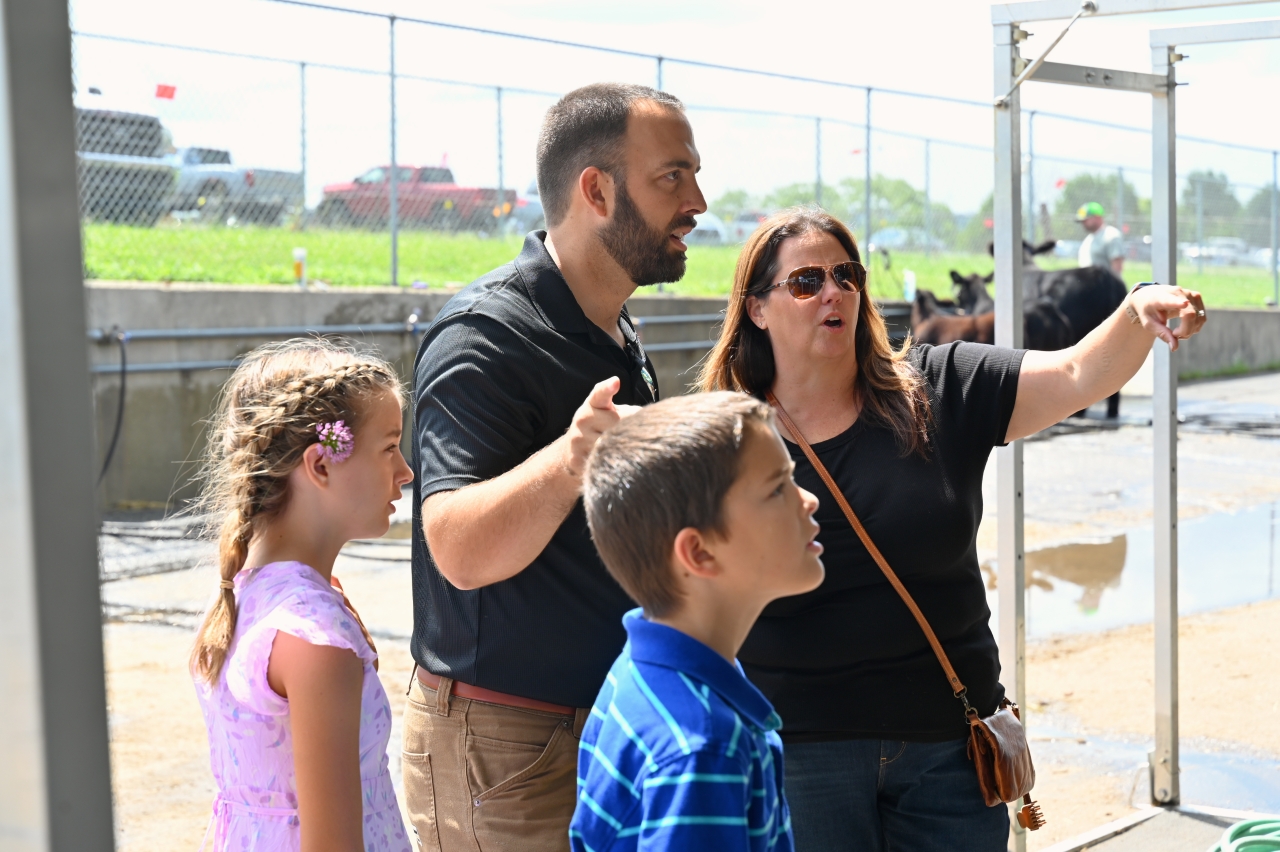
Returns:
(250, 744)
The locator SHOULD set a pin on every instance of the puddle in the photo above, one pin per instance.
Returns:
(1208, 777)
(1223, 560)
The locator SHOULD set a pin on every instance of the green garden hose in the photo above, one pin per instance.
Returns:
(1255, 835)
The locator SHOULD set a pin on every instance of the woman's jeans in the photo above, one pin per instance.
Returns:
(889, 796)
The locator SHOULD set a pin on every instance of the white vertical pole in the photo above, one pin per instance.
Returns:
(866, 199)
(659, 73)
(502, 178)
(393, 178)
(1007, 234)
(817, 161)
(1164, 421)
(1275, 233)
(1199, 226)
(928, 204)
(1120, 199)
(1030, 212)
(55, 776)
(302, 128)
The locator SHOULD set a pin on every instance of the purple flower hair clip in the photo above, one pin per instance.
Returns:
(336, 441)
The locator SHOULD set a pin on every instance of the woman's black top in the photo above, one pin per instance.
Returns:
(847, 660)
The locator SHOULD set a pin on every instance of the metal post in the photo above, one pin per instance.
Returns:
(1007, 236)
(393, 177)
(302, 127)
(866, 202)
(1164, 421)
(659, 73)
(55, 775)
(1120, 199)
(1275, 232)
(928, 205)
(1030, 212)
(1199, 226)
(817, 161)
(502, 183)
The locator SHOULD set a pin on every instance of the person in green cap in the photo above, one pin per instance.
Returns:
(1104, 246)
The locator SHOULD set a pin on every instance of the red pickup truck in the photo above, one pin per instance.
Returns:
(426, 196)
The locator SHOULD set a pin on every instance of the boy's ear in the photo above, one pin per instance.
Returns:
(692, 554)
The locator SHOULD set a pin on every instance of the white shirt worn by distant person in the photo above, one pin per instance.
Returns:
(1101, 247)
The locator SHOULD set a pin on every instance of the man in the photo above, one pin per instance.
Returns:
(1104, 246)
(516, 620)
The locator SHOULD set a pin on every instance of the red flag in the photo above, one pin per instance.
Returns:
(1060, 183)
(166, 92)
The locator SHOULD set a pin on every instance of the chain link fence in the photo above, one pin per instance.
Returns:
(202, 163)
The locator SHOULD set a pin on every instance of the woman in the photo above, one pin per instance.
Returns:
(875, 739)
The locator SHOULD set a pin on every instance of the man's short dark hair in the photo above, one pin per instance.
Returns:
(664, 468)
(586, 128)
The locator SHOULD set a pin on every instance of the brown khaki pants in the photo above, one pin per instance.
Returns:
(481, 777)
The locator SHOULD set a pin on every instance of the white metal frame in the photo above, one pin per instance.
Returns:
(1007, 235)
(55, 780)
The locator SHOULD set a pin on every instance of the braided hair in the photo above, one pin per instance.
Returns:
(265, 419)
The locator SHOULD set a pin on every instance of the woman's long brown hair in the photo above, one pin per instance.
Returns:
(891, 390)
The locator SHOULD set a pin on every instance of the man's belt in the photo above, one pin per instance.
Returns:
(491, 696)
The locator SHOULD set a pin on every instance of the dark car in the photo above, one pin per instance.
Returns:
(124, 176)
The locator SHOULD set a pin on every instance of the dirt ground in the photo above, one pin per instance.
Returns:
(1090, 695)
(1098, 685)
(159, 749)
(1102, 686)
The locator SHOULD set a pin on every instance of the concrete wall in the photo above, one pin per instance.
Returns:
(163, 431)
(1233, 340)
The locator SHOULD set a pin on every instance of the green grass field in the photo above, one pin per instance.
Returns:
(359, 258)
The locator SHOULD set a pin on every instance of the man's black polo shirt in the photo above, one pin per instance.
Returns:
(498, 377)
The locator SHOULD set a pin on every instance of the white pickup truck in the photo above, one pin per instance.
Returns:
(209, 184)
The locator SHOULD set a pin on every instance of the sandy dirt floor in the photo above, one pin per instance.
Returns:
(159, 750)
(1089, 694)
(1090, 686)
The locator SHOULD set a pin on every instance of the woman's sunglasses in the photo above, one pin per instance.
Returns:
(806, 282)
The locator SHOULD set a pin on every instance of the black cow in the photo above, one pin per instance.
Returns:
(930, 324)
(971, 292)
(1086, 296)
(1044, 327)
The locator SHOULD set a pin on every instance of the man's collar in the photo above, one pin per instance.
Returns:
(552, 296)
(547, 287)
(660, 645)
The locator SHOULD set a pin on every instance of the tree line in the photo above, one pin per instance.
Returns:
(1207, 202)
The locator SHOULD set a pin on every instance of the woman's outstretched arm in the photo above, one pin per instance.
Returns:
(1054, 385)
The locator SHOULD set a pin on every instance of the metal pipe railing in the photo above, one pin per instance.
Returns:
(412, 325)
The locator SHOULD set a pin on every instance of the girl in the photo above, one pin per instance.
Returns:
(304, 455)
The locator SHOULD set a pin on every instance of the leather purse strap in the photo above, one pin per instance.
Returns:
(956, 686)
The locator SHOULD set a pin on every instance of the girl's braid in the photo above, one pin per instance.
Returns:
(267, 417)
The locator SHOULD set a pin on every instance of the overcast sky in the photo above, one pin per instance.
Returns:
(938, 47)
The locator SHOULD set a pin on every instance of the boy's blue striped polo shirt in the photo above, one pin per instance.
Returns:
(681, 753)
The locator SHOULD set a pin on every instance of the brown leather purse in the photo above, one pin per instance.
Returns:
(998, 743)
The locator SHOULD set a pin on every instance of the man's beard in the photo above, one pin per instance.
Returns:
(643, 252)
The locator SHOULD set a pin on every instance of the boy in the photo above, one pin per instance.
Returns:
(693, 509)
